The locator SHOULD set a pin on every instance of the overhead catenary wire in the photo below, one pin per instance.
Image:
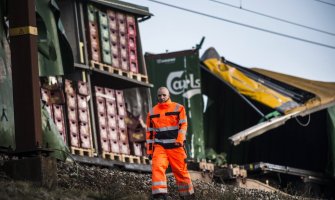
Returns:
(245, 25)
(325, 2)
(272, 17)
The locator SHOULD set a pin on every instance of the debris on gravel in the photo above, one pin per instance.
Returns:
(86, 182)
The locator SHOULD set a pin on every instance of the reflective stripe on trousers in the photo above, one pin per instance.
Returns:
(160, 162)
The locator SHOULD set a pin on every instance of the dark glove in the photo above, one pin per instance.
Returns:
(150, 157)
(178, 144)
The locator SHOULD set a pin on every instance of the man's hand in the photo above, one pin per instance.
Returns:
(150, 157)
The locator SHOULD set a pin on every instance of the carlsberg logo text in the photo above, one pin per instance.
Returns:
(186, 85)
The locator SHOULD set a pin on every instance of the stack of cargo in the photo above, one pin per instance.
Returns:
(132, 47)
(111, 125)
(79, 117)
(101, 119)
(71, 101)
(121, 122)
(114, 38)
(58, 117)
(118, 42)
(123, 43)
(94, 45)
(104, 38)
(52, 98)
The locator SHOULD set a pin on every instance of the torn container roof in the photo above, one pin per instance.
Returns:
(137, 10)
(289, 96)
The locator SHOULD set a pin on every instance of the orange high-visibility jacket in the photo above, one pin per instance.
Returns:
(166, 125)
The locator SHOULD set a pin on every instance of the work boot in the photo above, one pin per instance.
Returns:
(161, 196)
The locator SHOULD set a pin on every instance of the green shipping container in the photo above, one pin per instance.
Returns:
(180, 73)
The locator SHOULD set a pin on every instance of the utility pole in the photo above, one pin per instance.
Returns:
(23, 34)
(25, 75)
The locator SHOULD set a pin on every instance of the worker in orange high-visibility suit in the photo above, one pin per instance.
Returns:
(165, 136)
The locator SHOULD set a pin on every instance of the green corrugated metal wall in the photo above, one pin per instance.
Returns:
(180, 73)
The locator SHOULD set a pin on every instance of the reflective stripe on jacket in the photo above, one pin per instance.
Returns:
(166, 125)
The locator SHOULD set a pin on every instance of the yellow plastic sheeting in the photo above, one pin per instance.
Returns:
(249, 87)
(324, 91)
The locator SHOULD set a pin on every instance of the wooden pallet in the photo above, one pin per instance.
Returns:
(112, 156)
(114, 70)
(145, 160)
(131, 159)
(108, 68)
(97, 65)
(82, 152)
(139, 77)
(118, 71)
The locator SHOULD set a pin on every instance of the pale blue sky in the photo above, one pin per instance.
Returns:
(173, 30)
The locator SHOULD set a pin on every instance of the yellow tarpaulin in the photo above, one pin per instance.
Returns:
(324, 91)
(249, 87)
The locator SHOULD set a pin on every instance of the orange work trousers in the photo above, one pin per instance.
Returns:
(176, 158)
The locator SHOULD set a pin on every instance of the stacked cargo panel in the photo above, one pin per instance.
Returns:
(94, 45)
(111, 125)
(132, 47)
(123, 40)
(77, 94)
(84, 115)
(104, 38)
(114, 38)
(71, 102)
(118, 42)
(121, 121)
(52, 99)
(58, 117)
(101, 118)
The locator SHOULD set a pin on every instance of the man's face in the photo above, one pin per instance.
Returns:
(163, 95)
